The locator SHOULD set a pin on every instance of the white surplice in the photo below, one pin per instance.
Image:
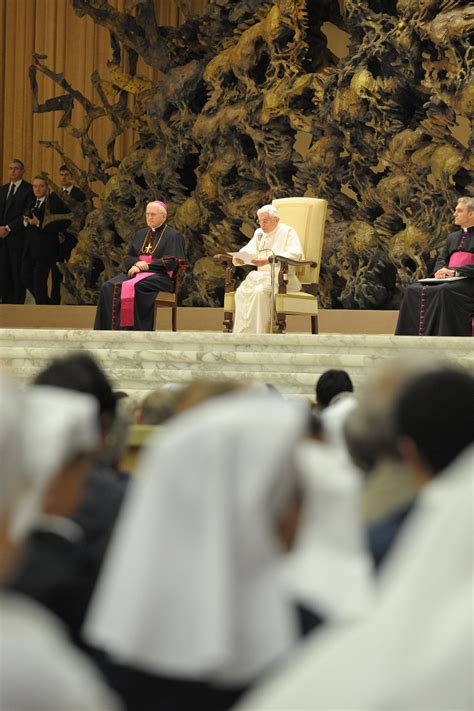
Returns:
(253, 297)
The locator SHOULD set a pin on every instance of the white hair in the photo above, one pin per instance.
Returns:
(468, 201)
(160, 205)
(271, 209)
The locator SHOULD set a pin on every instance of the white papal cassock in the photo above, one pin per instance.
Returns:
(253, 297)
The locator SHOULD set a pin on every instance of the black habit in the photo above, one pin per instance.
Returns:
(445, 308)
(166, 244)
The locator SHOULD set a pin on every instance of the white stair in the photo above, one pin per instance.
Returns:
(139, 362)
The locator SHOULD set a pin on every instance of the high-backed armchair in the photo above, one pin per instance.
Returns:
(307, 216)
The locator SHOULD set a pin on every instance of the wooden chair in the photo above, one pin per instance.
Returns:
(307, 216)
(168, 300)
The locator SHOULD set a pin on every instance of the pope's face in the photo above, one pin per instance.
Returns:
(462, 216)
(155, 216)
(266, 222)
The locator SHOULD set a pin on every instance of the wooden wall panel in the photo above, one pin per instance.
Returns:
(74, 46)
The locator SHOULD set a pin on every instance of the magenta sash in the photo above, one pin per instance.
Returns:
(127, 294)
(461, 259)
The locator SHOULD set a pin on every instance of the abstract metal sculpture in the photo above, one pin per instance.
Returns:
(216, 135)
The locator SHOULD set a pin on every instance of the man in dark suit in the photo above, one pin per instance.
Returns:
(71, 196)
(41, 243)
(15, 198)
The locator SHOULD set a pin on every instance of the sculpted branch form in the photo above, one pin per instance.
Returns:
(217, 134)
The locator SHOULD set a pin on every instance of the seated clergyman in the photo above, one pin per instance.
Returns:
(126, 301)
(445, 306)
(254, 296)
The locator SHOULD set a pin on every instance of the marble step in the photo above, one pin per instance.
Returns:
(293, 383)
(244, 361)
(209, 341)
(138, 362)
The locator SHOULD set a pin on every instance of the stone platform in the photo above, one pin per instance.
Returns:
(138, 362)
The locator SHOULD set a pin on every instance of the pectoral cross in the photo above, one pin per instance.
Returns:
(148, 249)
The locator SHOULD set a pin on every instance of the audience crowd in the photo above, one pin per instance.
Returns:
(237, 565)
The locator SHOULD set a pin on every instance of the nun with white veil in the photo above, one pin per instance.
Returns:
(39, 669)
(415, 651)
(329, 569)
(189, 606)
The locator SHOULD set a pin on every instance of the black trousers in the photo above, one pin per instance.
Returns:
(13, 289)
(34, 274)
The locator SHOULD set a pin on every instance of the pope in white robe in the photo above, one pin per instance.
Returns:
(253, 298)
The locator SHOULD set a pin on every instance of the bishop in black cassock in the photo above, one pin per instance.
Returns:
(154, 257)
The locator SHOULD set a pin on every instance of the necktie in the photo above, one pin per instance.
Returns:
(8, 201)
(38, 204)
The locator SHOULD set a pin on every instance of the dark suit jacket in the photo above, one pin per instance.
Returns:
(77, 194)
(12, 211)
(61, 573)
(383, 533)
(42, 241)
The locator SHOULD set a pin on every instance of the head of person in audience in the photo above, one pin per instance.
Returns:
(81, 372)
(63, 437)
(211, 487)
(434, 420)
(201, 390)
(16, 170)
(66, 178)
(156, 213)
(330, 384)
(157, 407)
(48, 437)
(369, 428)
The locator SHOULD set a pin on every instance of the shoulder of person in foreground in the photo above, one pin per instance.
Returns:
(40, 669)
